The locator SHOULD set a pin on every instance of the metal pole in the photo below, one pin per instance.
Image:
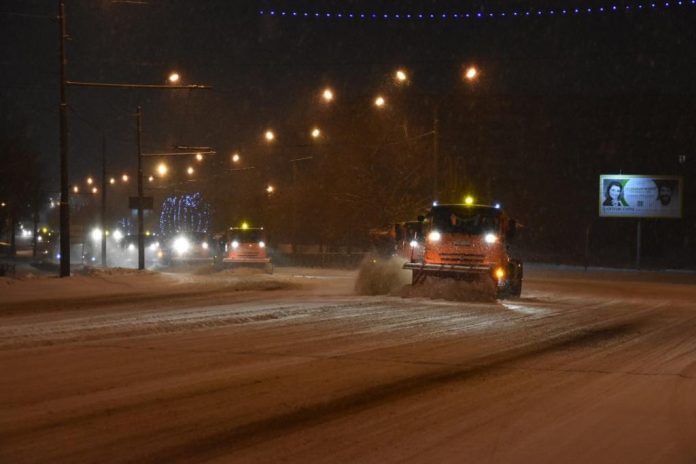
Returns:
(64, 181)
(141, 234)
(436, 148)
(638, 240)
(103, 204)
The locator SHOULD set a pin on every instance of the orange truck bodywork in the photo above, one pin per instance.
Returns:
(465, 242)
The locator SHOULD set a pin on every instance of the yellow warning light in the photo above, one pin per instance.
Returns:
(245, 225)
(469, 200)
(500, 273)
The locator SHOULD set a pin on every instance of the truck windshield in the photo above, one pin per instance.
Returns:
(471, 220)
(246, 235)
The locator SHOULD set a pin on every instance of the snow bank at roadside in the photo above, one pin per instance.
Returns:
(97, 283)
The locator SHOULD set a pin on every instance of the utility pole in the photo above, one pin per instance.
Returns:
(436, 148)
(103, 204)
(64, 181)
(141, 236)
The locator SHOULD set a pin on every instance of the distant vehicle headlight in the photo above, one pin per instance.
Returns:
(235, 244)
(96, 234)
(118, 235)
(262, 245)
(204, 245)
(490, 238)
(434, 236)
(181, 245)
(414, 244)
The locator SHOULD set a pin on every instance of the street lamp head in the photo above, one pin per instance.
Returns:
(327, 95)
(162, 169)
(151, 178)
(269, 135)
(235, 158)
(471, 73)
(174, 78)
(316, 133)
(112, 181)
(124, 178)
(270, 189)
(76, 189)
(90, 181)
(400, 76)
(380, 102)
(190, 171)
(95, 190)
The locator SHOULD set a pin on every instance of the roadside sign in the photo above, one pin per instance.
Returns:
(640, 196)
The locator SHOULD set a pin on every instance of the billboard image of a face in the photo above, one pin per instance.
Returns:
(625, 195)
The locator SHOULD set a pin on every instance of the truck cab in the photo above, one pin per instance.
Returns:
(468, 242)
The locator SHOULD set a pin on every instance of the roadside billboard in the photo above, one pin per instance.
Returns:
(628, 195)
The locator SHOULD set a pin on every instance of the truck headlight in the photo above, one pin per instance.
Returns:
(414, 244)
(235, 244)
(434, 236)
(490, 238)
(262, 245)
(181, 245)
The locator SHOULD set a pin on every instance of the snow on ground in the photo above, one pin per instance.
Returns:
(593, 366)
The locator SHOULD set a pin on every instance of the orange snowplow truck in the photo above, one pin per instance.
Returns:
(467, 242)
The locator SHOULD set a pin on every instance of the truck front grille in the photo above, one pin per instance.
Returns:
(461, 258)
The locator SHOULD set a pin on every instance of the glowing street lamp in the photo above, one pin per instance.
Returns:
(199, 156)
(316, 133)
(471, 73)
(95, 190)
(90, 181)
(76, 189)
(151, 178)
(401, 76)
(235, 158)
(112, 181)
(189, 171)
(270, 189)
(269, 135)
(174, 78)
(327, 95)
(162, 169)
(124, 178)
(380, 102)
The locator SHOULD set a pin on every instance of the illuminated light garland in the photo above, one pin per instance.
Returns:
(432, 16)
(184, 214)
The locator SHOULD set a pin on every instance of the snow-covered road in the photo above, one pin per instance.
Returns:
(586, 367)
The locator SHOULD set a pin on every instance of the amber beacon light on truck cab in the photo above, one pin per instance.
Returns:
(467, 242)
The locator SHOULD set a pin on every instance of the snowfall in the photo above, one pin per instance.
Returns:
(336, 366)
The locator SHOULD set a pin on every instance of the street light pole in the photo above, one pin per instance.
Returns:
(436, 148)
(103, 204)
(141, 237)
(64, 181)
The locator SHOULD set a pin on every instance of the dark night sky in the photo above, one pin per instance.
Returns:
(266, 71)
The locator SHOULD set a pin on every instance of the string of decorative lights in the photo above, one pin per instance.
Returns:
(187, 213)
(441, 16)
